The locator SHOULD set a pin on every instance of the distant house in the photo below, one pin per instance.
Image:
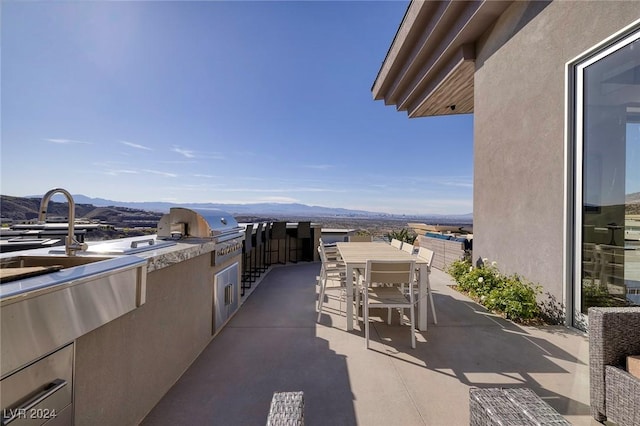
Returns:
(555, 92)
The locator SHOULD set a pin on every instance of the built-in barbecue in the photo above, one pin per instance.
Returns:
(213, 224)
(222, 229)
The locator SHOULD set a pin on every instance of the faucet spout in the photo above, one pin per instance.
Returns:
(71, 244)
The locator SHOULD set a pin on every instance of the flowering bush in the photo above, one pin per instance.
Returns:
(511, 295)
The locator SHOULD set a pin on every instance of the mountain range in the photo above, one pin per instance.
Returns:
(286, 209)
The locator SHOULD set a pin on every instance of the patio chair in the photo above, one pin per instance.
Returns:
(331, 271)
(302, 236)
(331, 253)
(426, 254)
(396, 243)
(408, 247)
(382, 288)
(256, 242)
(614, 334)
(278, 233)
(247, 277)
(266, 246)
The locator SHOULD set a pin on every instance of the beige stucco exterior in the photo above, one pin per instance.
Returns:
(519, 127)
(519, 89)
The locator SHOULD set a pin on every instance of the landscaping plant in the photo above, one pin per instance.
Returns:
(510, 295)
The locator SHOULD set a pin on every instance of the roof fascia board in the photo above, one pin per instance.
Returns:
(407, 30)
(467, 30)
(435, 44)
(431, 35)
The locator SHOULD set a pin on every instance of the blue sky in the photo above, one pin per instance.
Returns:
(232, 102)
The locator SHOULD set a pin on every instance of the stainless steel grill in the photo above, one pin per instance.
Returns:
(214, 224)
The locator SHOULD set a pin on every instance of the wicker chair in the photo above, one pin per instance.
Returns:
(510, 407)
(287, 409)
(614, 334)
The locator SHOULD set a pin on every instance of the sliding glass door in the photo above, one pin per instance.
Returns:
(607, 177)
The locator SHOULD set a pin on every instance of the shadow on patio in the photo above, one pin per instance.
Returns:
(274, 344)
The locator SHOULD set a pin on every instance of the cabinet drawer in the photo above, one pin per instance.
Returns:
(39, 392)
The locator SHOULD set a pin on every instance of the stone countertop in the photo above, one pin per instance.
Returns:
(157, 258)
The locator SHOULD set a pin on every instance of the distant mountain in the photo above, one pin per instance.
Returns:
(20, 209)
(632, 198)
(274, 209)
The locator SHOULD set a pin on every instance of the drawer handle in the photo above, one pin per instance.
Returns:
(228, 294)
(150, 241)
(9, 415)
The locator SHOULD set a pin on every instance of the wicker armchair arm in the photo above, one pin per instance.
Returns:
(614, 333)
(623, 396)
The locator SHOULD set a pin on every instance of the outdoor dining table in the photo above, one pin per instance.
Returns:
(355, 256)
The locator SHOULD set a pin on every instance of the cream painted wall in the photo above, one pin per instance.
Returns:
(123, 368)
(519, 130)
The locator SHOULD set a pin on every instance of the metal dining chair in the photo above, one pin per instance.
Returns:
(256, 241)
(278, 233)
(266, 246)
(246, 258)
(408, 247)
(302, 236)
(331, 271)
(382, 288)
(426, 254)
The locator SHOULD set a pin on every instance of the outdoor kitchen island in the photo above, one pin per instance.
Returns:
(123, 368)
(120, 365)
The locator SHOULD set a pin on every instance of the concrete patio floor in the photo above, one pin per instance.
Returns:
(274, 344)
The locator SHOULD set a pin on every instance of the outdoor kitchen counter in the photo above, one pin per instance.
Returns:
(182, 251)
(156, 258)
(124, 367)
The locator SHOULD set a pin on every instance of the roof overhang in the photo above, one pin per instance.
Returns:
(430, 65)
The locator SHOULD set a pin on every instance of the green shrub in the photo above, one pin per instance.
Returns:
(459, 268)
(510, 295)
(405, 235)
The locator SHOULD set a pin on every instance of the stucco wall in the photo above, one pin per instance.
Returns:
(519, 130)
(124, 367)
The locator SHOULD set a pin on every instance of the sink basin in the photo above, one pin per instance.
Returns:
(63, 261)
(21, 267)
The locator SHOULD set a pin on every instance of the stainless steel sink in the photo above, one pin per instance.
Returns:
(63, 261)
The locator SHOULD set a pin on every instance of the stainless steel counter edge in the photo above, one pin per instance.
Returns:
(38, 322)
(30, 287)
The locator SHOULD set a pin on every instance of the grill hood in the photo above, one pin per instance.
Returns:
(199, 223)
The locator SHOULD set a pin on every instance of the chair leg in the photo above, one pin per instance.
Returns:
(433, 308)
(366, 319)
(413, 326)
(323, 285)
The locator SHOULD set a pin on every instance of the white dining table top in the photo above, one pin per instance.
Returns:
(358, 253)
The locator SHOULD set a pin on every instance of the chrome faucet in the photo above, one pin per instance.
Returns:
(71, 244)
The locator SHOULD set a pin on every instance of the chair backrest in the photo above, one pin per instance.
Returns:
(390, 272)
(279, 230)
(408, 247)
(323, 253)
(258, 235)
(359, 238)
(248, 232)
(267, 232)
(304, 230)
(396, 243)
(426, 254)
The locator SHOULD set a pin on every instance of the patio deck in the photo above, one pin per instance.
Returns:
(274, 344)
